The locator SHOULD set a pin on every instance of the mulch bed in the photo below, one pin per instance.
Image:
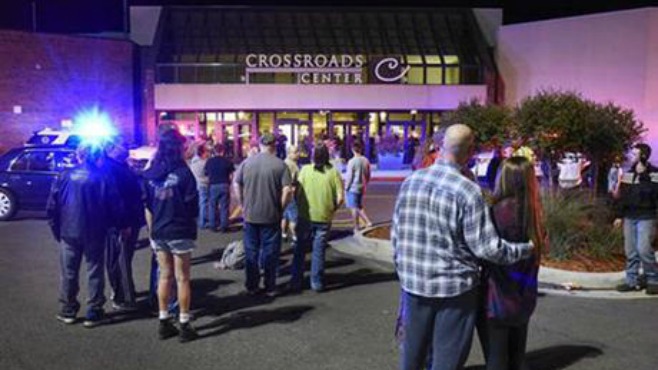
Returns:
(578, 262)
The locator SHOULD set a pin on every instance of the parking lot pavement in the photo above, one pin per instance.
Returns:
(348, 327)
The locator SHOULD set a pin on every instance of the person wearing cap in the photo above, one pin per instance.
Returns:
(264, 190)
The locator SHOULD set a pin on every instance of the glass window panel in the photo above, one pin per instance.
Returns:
(451, 59)
(414, 59)
(434, 75)
(284, 78)
(432, 59)
(415, 76)
(452, 76)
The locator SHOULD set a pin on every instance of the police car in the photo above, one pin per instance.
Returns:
(27, 174)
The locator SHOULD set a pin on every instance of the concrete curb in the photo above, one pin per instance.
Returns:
(552, 281)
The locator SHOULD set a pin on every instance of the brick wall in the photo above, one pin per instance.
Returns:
(51, 77)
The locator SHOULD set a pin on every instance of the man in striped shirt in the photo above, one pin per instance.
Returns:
(441, 227)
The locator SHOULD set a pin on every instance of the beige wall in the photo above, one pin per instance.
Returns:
(606, 57)
(313, 97)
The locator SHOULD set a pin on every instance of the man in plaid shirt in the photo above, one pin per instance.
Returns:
(441, 227)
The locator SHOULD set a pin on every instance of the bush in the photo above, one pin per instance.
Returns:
(576, 224)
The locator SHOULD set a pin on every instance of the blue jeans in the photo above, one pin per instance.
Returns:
(203, 205)
(262, 240)
(443, 324)
(310, 235)
(638, 235)
(71, 253)
(219, 197)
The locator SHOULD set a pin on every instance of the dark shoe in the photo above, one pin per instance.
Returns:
(652, 289)
(167, 329)
(66, 318)
(253, 293)
(187, 333)
(625, 288)
(94, 318)
(124, 307)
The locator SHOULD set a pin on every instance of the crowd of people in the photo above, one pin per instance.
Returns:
(97, 210)
(467, 258)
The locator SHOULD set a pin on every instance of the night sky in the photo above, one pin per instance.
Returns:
(90, 16)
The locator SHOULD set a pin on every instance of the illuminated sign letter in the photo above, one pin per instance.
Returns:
(390, 64)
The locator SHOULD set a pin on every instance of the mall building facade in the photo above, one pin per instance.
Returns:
(231, 73)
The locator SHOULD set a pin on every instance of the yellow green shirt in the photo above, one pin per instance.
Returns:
(319, 193)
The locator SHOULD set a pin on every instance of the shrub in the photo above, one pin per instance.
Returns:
(576, 224)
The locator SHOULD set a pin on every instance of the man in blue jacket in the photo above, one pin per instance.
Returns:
(82, 207)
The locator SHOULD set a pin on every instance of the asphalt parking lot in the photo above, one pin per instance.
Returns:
(348, 327)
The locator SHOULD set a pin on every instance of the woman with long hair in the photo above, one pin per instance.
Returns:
(172, 199)
(319, 195)
(510, 292)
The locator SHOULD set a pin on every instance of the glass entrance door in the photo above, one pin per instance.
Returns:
(294, 132)
(235, 137)
(346, 133)
(409, 134)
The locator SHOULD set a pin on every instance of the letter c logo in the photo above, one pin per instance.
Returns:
(389, 64)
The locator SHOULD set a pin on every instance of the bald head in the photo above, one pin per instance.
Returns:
(458, 142)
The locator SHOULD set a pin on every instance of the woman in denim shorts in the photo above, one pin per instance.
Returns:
(172, 199)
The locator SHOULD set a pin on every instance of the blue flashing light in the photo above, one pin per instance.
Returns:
(94, 127)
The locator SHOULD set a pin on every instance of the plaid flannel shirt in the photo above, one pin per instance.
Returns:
(441, 227)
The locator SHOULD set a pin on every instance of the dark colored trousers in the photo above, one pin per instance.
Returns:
(71, 253)
(119, 259)
(262, 239)
(445, 324)
(503, 345)
(219, 198)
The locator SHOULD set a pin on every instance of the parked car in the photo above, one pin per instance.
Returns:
(27, 174)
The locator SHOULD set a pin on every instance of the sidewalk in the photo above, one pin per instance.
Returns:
(551, 281)
(386, 176)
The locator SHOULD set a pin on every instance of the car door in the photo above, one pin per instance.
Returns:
(32, 175)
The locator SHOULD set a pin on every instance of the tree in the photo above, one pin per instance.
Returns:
(609, 132)
(557, 122)
(490, 123)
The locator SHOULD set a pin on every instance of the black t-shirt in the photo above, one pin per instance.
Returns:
(219, 170)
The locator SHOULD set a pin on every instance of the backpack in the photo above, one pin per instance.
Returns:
(233, 256)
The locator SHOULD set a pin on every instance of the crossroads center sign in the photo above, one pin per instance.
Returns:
(326, 69)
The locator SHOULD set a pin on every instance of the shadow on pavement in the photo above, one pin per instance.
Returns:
(333, 263)
(214, 256)
(556, 357)
(210, 305)
(358, 277)
(252, 319)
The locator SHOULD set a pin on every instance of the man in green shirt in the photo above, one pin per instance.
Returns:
(319, 195)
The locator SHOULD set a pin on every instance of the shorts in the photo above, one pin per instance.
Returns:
(179, 246)
(291, 213)
(354, 200)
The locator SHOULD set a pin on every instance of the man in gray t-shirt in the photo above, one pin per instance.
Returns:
(358, 176)
(264, 189)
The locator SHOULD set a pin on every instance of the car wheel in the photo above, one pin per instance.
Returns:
(7, 205)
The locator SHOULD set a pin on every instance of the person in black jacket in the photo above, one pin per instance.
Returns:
(82, 207)
(172, 199)
(120, 246)
(637, 204)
